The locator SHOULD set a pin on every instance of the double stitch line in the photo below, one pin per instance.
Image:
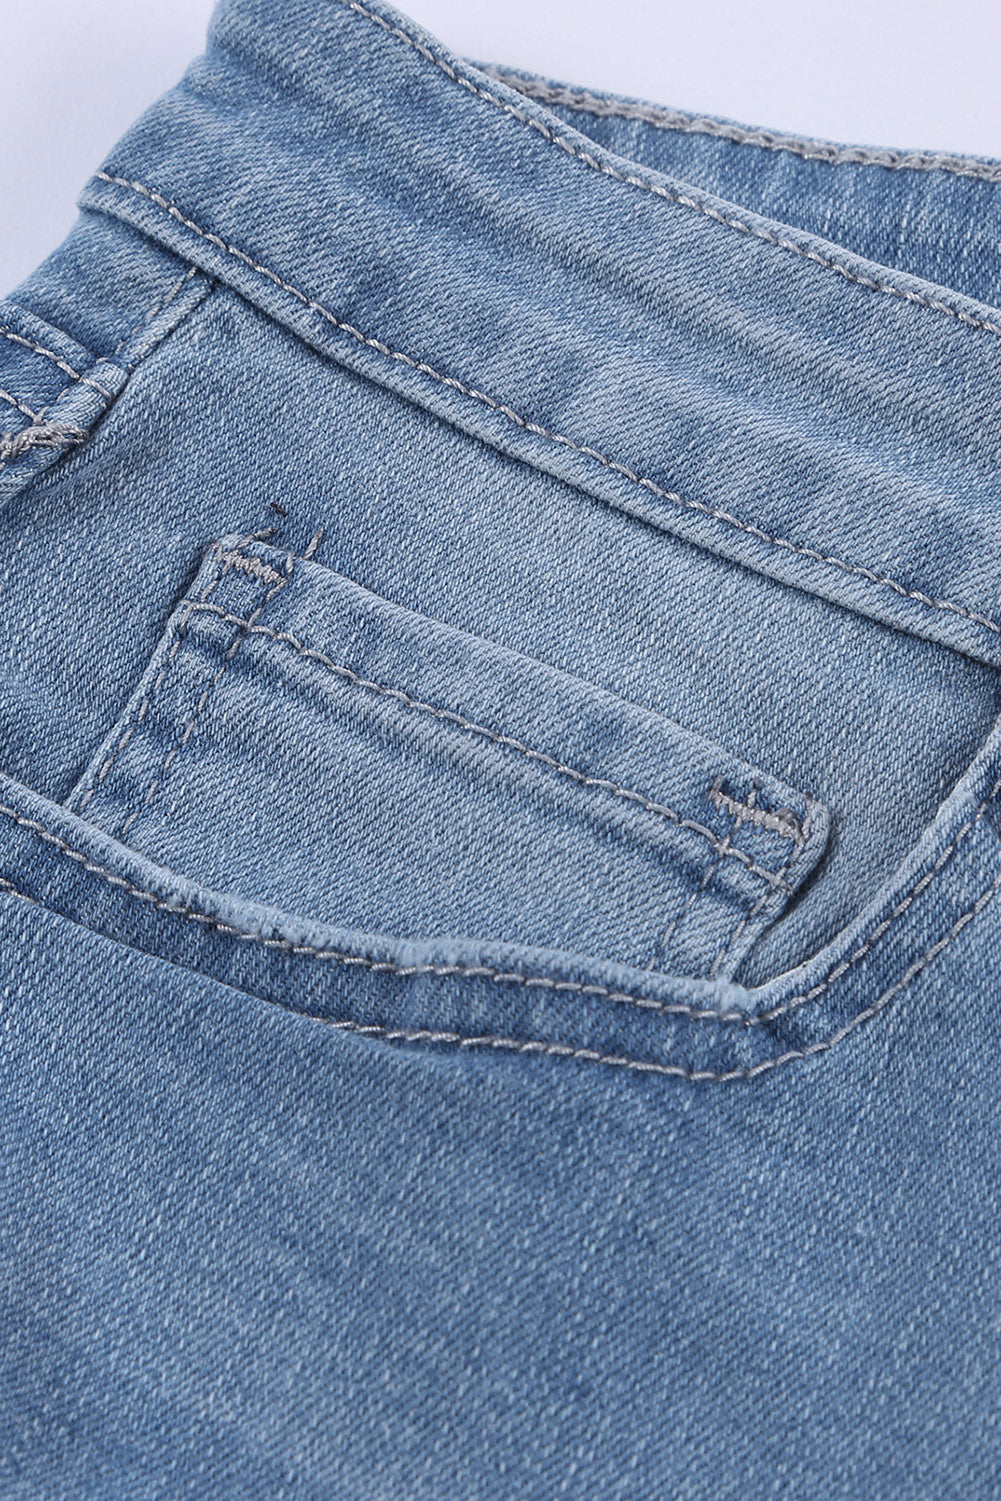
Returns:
(692, 1013)
(773, 879)
(234, 559)
(684, 200)
(546, 1047)
(451, 382)
(583, 101)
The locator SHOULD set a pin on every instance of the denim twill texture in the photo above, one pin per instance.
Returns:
(499, 816)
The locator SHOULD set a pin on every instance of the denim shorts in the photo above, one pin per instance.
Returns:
(499, 825)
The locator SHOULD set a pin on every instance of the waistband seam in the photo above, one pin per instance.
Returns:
(603, 107)
(684, 200)
(716, 513)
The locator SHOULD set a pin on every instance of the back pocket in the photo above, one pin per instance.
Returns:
(301, 742)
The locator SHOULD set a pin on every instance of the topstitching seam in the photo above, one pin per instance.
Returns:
(576, 987)
(551, 1049)
(681, 917)
(42, 435)
(583, 101)
(774, 879)
(21, 405)
(157, 307)
(781, 822)
(742, 921)
(25, 440)
(856, 570)
(227, 560)
(13, 446)
(672, 196)
(518, 1045)
(143, 709)
(85, 380)
(231, 560)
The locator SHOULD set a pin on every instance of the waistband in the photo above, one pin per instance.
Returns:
(742, 383)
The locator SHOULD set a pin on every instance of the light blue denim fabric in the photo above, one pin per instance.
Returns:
(499, 829)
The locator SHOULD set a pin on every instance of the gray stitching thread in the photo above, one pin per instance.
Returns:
(672, 1070)
(661, 951)
(158, 307)
(735, 933)
(672, 119)
(242, 563)
(230, 560)
(41, 435)
(85, 380)
(783, 823)
(19, 443)
(548, 1048)
(286, 638)
(12, 448)
(749, 1019)
(577, 987)
(36, 419)
(683, 199)
(21, 406)
(898, 911)
(746, 812)
(452, 383)
(227, 562)
(313, 545)
(143, 709)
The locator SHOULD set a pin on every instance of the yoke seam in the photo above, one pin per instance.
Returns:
(672, 196)
(546, 1047)
(474, 971)
(452, 383)
(722, 847)
(664, 118)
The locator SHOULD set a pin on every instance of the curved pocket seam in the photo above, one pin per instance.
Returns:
(543, 1046)
(550, 1047)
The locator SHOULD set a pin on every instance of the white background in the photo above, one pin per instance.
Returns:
(918, 73)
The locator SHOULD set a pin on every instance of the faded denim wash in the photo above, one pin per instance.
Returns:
(499, 825)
